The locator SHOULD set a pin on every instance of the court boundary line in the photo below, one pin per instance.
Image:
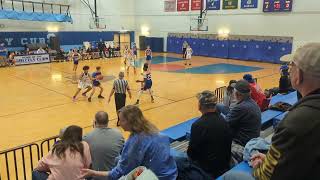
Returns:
(112, 120)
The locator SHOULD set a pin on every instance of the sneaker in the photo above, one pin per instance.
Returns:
(84, 94)
(100, 97)
(89, 99)
(137, 103)
(152, 100)
(185, 64)
(189, 64)
(73, 98)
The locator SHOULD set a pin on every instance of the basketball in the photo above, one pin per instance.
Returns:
(100, 77)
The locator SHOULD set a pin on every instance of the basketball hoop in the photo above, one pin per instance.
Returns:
(97, 23)
(198, 24)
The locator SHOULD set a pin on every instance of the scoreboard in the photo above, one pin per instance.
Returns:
(277, 5)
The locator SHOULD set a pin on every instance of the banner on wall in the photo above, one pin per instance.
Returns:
(277, 5)
(32, 59)
(170, 5)
(230, 4)
(249, 4)
(213, 4)
(182, 5)
(196, 4)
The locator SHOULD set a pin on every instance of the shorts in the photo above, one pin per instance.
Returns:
(132, 63)
(96, 83)
(135, 52)
(188, 56)
(147, 85)
(148, 58)
(84, 85)
(76, 62)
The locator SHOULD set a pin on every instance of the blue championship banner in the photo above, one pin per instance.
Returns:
(32, 59)
(249, 4)
(213, 4)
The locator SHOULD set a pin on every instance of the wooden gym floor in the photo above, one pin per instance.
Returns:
(36, 99)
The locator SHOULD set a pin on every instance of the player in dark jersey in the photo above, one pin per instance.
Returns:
(146, 83)
(75, 57)
(96, 77)
(148, 53)
(135, 51)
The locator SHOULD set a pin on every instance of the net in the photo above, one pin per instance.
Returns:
(97, 23)
(198, 24)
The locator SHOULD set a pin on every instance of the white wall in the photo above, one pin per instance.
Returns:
(302, 23)
(118, 13)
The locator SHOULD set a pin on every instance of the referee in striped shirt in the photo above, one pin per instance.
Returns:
(120, 87)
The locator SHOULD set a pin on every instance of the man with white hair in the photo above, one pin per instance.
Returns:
(295, 149)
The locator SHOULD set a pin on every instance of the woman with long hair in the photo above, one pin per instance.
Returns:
(145, 147)
(66, 159)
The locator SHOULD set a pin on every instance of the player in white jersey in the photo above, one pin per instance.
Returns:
(126, 54)
(132, 61)
(85, 82)
(188, 55)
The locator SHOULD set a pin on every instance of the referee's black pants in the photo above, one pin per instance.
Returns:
(184, 56)
(120, 100)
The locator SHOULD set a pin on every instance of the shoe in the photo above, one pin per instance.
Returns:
(84, 94)
(137, 103)
(100, 97)
(185, 64)
(89, 99)
(189, 64)
(152, 100)
(73, 98)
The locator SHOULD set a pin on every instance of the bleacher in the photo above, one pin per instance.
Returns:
(178, 134)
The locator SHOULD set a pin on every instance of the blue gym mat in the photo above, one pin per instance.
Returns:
(219, 69)
(158, 60)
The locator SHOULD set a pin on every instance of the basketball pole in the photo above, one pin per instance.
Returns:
(96, 13)
(95, 9)
(201, 9)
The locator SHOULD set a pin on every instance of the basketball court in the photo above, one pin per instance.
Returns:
(39, 97)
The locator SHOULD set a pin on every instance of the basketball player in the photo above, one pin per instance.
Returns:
(12, 61)
(135, 51)
(148, 53)
(75, 57)
(188, 55)
(146, 83)
(132, 62)
(126, 53)
(184, 48)
(85, 82)
(96, 77)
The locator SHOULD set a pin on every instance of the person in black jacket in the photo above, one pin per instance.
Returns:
(101, 47)
(210, 140)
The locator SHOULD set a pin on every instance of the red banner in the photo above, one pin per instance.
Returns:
(196, 4)
(183, 5)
